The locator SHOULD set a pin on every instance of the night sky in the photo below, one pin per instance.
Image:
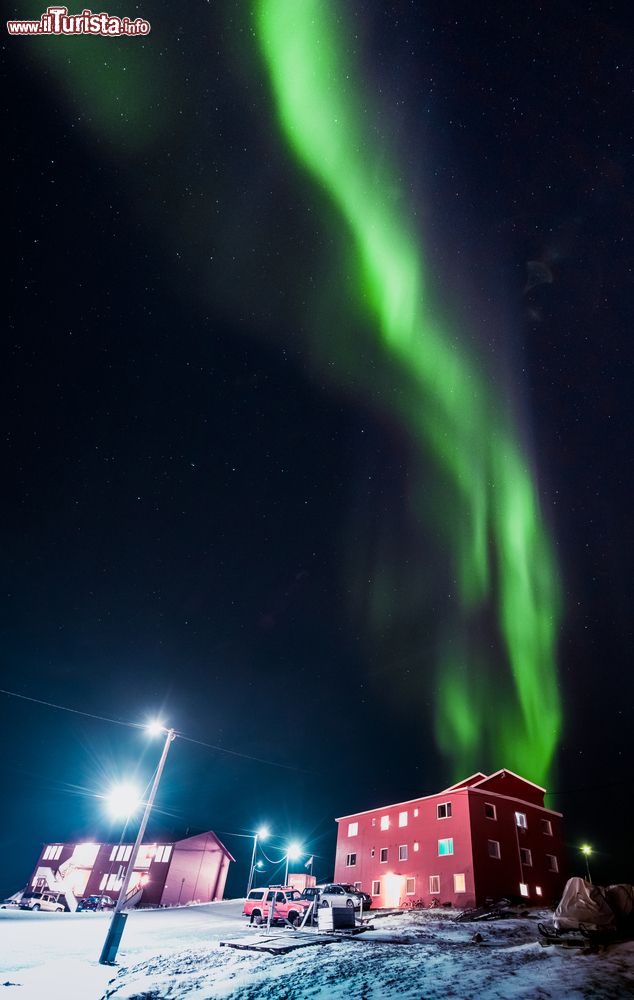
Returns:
(208, 487)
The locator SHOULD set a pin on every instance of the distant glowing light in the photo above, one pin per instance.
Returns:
(258, 864)
(155, 727)
(263, 833)
(294, 851)
(123, 801)
(586, 849)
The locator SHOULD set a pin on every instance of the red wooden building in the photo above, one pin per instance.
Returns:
(165, 874)
(485, 837)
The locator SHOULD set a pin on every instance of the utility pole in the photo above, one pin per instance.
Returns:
(117, 924)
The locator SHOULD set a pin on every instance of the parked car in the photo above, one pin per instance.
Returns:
(96, 903)
(12, 902)
(310, 893)
(336, 894)
(365, 896)
(50, 902)
(289, 905)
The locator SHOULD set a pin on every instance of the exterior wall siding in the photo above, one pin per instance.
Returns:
(470, 875)
(498, 877)
(196, 869)
(424, 830)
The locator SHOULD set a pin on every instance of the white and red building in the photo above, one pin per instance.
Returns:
(487, 837)
(165, 874)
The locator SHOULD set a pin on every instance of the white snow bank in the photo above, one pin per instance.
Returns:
(172, 954)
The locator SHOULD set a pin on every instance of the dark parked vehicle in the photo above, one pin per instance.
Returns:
(96, 903)
(310, 893)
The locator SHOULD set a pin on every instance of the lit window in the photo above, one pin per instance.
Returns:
(47, 853)
(538, 890)
(445, 846)
(547, 827)
(357, 885)
(410, 886)
(85, 855)
(552, 863)
(490, 811)
(525, 856)
(52, 852)
(353, 829)
(494, 848)
(402, 819)
(443, 810)
(163, 853)
(523, 889)
(459, 883)
(114, 883)
(415, 812)
(374, 821)
(376, 888)
(146, 855)
(351, 860)
(402, 852)
(102, 884)
(520, 819)
(434, 884)
(113, 853)
(385, 822)
(416, 847)
(383, 857)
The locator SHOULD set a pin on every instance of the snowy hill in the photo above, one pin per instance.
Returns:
(178, 953)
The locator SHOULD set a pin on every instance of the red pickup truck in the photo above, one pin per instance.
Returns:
(287, 905)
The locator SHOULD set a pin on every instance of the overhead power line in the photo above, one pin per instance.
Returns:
(138, 725)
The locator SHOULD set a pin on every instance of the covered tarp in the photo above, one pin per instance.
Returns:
(621, 901)
(584, 905)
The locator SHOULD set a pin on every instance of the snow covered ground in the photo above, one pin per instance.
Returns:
(167, 954)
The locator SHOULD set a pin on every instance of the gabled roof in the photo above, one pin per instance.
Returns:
(473, 779)
(205, 833)
(477, 780)
(505, 770)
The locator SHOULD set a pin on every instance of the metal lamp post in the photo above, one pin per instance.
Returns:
(260, 834)
(586, 850)
(117, 924)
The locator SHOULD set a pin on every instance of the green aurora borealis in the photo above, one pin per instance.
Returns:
(498, 543)
(491, 707)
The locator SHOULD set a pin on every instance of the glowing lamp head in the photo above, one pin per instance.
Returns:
(155, 727)
(586, 849)
(294, 851)
(258, 864)
(123, 801)
(263, 833)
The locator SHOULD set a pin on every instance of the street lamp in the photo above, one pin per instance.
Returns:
(586, 850)
(155, 727)
(123, 800)
(260, 834)
(293, 852)
(115, 930)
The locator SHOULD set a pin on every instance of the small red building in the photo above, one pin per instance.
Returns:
(483, 838)
(166, 874)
